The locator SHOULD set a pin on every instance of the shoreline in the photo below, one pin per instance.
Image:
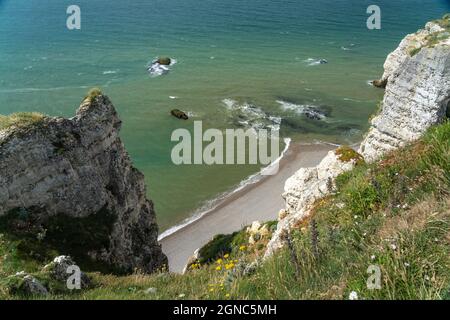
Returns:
(215, 203)
(260, 200)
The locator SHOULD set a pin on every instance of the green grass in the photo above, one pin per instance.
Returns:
(92, 94)
(435, 38)
(394, 214)
(20, 120)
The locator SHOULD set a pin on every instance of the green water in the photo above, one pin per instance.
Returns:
(253, 52)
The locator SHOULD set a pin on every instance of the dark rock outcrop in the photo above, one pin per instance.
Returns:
(179, 114)
(70, 183)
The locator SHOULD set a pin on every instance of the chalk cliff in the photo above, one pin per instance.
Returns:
(417, 79)
(71, 183)
(417, 96)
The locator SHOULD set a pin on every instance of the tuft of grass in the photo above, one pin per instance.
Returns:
(20, 120)
(92, 94)
(347, 154)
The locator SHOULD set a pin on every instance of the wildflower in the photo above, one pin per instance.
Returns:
(218, 268)
(219, 261)
(372, 257)
(226, 256)
(394, 247)
(353, 295)
(229, 266)
(406, 264)
(211, 290)
(227, 295)
(242, 248)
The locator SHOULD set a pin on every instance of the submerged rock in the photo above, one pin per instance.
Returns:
(72, 183)
(179, 114)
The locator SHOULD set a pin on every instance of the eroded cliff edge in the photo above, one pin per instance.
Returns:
(417, 81)
(417, 96)
(70, 184)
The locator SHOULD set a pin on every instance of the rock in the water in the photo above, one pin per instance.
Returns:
(179, 114)
(416, 96)
(305, 187)
(379, 83)
(74, 179)
(165, 61)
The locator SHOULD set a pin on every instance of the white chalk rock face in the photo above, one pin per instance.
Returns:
(417, 93)
(77, 170)
(303, 189)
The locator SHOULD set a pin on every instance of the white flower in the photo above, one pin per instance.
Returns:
(394, 247)
(151, 290)
(372, 257)
(353, 295)
(406, 264)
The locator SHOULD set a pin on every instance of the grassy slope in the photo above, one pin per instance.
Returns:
(394, 214)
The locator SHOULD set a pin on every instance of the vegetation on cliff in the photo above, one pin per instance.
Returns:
(393, 214)
(20, 119)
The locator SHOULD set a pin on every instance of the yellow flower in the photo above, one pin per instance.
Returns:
(227, 295)
(218, 268)
(226, 256)
(242, 248)
(211, 290)
(219, 261)
(229, 266)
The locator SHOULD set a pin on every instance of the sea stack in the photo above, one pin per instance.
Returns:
(74, 179)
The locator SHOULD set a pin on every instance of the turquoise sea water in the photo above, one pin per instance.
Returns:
(260, 54)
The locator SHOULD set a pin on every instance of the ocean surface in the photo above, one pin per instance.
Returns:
(239, 63)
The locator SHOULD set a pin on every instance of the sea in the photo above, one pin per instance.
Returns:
(301, 66)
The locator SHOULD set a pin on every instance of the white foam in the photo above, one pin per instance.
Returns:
(300, 108)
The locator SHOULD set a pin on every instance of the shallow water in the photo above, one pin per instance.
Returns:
(257, 53)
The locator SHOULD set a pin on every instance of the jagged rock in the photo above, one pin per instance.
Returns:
(179, 114)
(24, 284)
(74, 179)
(32, 286)
(379, 83)
(305, 187)
(58, 271)
(417, 93)
(192, 259)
